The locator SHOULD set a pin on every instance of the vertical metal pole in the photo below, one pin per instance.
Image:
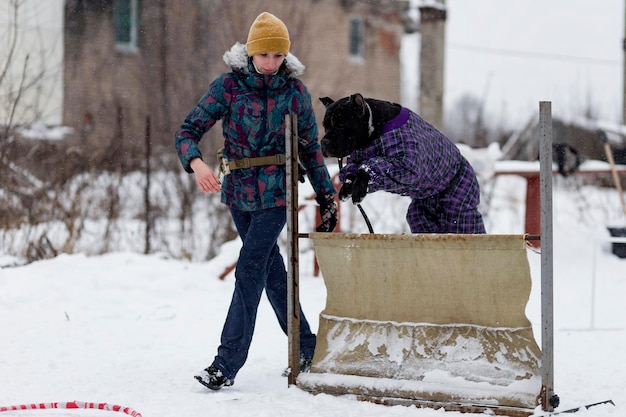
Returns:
(624, 72)
(146, 192)
(547, 316)
(293, 292)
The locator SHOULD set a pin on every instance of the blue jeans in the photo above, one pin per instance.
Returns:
(260, 266)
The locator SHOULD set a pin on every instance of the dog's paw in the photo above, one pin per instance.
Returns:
(359, 187)
(346, 189)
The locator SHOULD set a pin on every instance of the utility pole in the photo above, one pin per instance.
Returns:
(432, 53)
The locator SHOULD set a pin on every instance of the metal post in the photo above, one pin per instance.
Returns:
(548, 399)
(146, 191)
(624, 73)
(293, 296)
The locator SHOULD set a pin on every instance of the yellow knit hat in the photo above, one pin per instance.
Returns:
(268, 34)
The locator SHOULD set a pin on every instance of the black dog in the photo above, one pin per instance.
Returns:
(349, 126)
(391, 148)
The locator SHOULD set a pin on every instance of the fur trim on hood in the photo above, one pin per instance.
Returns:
(237, 57)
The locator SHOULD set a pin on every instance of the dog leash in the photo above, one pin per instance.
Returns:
(367, 220)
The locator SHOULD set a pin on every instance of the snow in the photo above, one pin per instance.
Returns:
(41, 131)
(131, 329)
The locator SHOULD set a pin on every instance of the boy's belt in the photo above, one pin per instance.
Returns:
(227, 166)
(278, 159)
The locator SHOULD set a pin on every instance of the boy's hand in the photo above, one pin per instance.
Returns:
(205, 177)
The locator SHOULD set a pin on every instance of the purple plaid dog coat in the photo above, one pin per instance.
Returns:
(412, 158)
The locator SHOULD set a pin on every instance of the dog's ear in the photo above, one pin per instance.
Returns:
(359, 102)
(327, 101)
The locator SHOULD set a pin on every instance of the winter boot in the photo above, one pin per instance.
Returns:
(213, 378)
(305, 366)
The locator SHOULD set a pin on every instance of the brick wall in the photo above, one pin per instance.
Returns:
(180, 52)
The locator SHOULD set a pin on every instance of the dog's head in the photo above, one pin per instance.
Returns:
(347, 125)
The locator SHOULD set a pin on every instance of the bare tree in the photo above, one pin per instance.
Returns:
(467, 122)
(28, 186)
(26, 65)
(24, 71)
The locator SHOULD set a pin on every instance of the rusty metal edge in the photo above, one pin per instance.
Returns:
(420, 403)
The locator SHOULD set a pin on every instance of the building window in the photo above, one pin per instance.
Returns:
(125, 17)
(357, 38)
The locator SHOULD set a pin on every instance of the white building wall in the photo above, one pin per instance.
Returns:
(39, 50)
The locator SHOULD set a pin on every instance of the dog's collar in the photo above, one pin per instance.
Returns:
(370, 121)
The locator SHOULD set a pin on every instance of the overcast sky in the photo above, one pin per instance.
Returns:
(514, 54)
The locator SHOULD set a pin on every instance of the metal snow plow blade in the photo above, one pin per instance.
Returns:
(436, 320)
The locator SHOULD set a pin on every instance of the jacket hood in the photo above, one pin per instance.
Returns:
(237, 58)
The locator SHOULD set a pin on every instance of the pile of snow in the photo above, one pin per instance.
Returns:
(41, 131)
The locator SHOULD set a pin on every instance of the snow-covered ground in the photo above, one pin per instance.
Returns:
(131, 330)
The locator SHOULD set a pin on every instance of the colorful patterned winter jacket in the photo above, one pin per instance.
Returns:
(252, 108)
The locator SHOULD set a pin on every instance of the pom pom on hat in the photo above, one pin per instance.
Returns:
(268, 34)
